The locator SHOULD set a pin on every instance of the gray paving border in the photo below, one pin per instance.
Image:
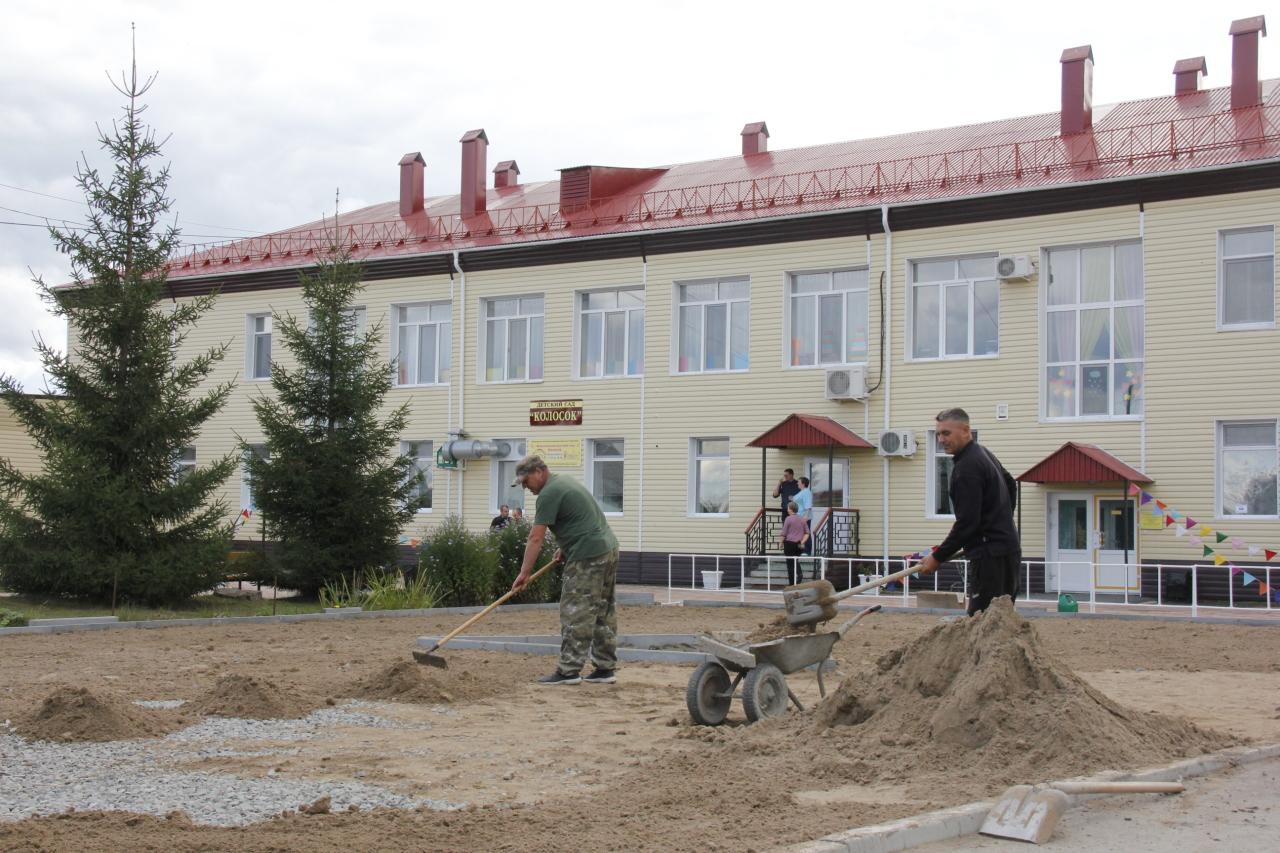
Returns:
(72, 625)
(964, 820)
(1029, 613)
(642, 646)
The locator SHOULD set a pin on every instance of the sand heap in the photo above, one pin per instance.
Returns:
(407, 681)
(777, 628)
(77, 715)
(980, 699)
(253, 698)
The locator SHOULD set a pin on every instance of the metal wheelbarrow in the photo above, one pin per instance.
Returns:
(761, 669)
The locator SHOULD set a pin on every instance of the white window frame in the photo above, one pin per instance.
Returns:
(580, 326)
(498, 486)
(183, 468)
(429, 479)
(246, 499)
(1043, 322)
(482, 360)
(932, 454)
(788, 317)
(677, 326)
(1223, 259)
(692, 481)
(251, 336)
(589, 474)
(1219, 470)
(395, 340)
(968, 283)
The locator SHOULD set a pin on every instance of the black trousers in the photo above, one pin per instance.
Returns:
(992, 577)
(792, 550)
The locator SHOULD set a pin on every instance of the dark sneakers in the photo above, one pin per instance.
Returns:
(559, 677)
(601, 676)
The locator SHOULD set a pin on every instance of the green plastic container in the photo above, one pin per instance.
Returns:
(1067, 603)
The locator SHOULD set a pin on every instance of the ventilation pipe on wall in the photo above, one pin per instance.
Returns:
(506, 174)
(755, 138)
(411, 169)
(1077, 90)
(1187, 74)
(1246, 89)
(475, 146)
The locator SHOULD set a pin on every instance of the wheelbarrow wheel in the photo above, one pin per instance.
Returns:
(706, 705)
(764, 692)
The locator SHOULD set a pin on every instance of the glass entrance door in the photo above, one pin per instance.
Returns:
(1069, 561)
(816, 471)
(1117, 556)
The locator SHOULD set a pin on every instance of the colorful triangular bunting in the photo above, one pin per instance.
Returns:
(1222, 537)
(1248, 578)
(1208, 552)
(1195, 540)
(1253, 550)
(1271, 555)
(1191, 522)
(1133, 488)
(1162, 504)
(1236, 544)
(1218, 559)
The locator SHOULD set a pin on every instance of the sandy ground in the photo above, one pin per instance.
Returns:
(602, 766)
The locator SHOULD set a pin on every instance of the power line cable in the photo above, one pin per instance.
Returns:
(78, 201)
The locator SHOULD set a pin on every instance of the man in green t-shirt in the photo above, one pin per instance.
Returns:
(589, 551)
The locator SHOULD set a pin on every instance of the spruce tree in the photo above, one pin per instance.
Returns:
(332, 491)
(107, 513)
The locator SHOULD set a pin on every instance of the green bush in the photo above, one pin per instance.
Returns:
(390, 590)
(460, 565)
(510, 542)
(10, 619)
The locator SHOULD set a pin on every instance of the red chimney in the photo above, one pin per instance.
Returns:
(474, 146)
(1187, 74)
(506, 174)
(411, 166)
(1246, 90)
(1077, 90)
(755, 138)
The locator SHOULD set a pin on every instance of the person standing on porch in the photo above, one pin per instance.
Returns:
(804, 500)
(786, 489)
(795, 535)
(983, 498)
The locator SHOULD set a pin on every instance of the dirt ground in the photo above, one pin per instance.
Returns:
(595, 767)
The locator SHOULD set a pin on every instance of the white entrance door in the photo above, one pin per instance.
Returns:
(1117, 557)
(1069, 553)
(816, 471)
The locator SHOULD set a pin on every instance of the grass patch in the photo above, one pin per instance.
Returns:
(198, 607)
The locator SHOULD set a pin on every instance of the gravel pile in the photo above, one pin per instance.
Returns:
(44, 778)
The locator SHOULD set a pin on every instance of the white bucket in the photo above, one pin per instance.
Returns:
(711, 580)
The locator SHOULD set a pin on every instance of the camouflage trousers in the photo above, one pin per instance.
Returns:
(589, 614)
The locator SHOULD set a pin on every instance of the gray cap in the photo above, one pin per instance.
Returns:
(527, 466)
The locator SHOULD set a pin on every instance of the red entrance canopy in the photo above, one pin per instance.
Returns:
(809, 431)
(1081, 463)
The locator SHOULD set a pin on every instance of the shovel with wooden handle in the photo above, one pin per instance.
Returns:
(426, 657)
(815, 601)
(1031, 812)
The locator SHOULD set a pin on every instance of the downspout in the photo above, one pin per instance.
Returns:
(888, 359)
(866, 404)
(644, 280)
(448, 491)
(1142, 424)
(462, 360)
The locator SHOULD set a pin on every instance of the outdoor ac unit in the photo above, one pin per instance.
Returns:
(847, 383)
(1015, 267)
(898, 442)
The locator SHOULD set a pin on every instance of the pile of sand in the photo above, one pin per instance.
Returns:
(972, 701)
(407, 681)
(253, 698)
(777, 628)
(77, 715)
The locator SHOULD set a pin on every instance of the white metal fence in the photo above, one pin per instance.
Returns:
(743, 573)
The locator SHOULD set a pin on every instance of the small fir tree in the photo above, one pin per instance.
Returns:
(108, 511)
(331, 490)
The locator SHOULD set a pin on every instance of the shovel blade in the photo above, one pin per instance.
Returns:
(1025, 813)
(808, 603)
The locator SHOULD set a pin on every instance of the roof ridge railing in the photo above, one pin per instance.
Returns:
(941, 175)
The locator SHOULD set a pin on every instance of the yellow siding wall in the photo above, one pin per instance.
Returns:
(15, 444)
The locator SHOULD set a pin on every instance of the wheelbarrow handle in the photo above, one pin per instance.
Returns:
(844, 629)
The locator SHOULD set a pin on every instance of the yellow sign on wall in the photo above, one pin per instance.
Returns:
(1147, 521)
(562, 453)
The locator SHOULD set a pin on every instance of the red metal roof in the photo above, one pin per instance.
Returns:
(809, 431)
(1190, 132)
(1081, 463)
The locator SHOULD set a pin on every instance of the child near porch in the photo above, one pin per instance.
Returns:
(795, 535)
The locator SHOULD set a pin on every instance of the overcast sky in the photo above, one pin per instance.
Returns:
(271, 106)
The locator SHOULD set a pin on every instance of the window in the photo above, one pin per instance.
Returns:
(246, 493)
(258, 352)
(604, 469)
(715, 326)
(1247, 466)
(1247, 275)
(1094, 332)
(709, 476)
(955, 308)
(420, 453)
(828, 317)
(939, 475)
(611, 333)
(424, 340)
(185, 465)
(513, 339)
(503, 468)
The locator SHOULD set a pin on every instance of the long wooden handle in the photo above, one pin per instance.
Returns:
(465, 625)
(1120, 787)
(872, 584)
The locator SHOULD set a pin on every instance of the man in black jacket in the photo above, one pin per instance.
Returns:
(983, 495)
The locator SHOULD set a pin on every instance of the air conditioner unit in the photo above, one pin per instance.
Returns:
(847, 383)
(1015, 268)
(898, 442)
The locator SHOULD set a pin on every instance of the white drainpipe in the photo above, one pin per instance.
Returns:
(888, 360)
(462, 359)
